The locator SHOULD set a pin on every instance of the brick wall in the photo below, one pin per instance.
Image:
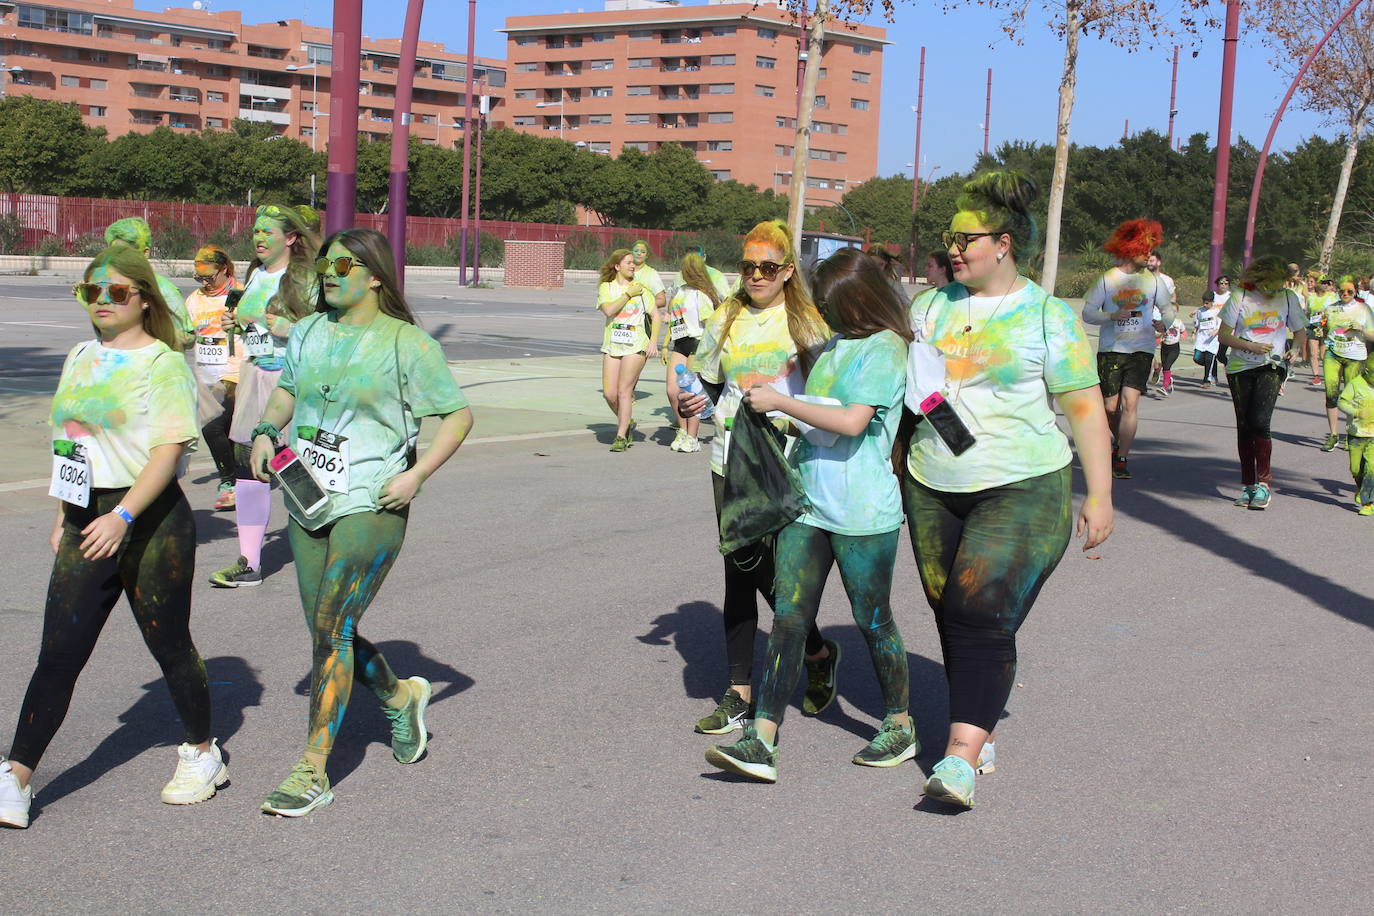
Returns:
(535, 264)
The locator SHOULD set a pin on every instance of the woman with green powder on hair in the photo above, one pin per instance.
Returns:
(281, 290)
(357, 377)
(138, 235)
(123, 418)
(989, 524)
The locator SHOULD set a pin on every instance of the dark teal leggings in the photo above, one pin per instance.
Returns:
(804, 557)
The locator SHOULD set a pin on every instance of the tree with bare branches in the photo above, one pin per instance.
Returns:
(1339, 85)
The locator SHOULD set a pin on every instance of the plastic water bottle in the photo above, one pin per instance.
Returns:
(687, 381)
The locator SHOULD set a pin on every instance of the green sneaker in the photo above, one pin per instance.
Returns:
(240, 575)
(951, 782)
(1246, 495)
(821, 683)
(620, 444)
(1261, 497)
(408, 735)
(895, 743)
(303, 791)
(1367, 509)
(748, 756)
(1330, 443)
(729, 715)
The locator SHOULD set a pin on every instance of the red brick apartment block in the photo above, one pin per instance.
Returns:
(536, 264)
(187, 69)
(718, 78)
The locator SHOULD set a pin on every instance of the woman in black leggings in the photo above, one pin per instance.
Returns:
(122, 418)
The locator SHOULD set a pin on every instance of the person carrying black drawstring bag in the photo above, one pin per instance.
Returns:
(762, 491)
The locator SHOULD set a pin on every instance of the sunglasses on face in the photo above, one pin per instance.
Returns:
(206, 278)
(89, 293)
(962, 240)
(767, 269)
(342, 266)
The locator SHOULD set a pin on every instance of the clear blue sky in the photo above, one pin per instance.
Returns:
(1113, 86)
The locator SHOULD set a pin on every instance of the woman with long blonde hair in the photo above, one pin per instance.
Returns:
(626, 343)
(693, 303)
(768, 333)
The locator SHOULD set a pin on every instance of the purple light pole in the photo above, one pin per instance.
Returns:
(341, 181)
(1223, 174)
(467, 149)
(987, 114)
(916, 162)
(1274, 126)
(477, 189)
(398, 185)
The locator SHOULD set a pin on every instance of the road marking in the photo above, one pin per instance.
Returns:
(42, 324)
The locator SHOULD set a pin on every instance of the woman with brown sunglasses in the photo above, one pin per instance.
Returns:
(768, 332)
(123, 418)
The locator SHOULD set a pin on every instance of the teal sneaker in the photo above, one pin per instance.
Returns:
(303, 791)
(895, 743)
(748, 756)
(1261, 498)
(951, 782)
(729, 714)
(408, 735)
(821, 682)
(1246, 495)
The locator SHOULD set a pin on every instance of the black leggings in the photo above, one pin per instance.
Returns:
(216, 436)
(1168, 352)
(154, 568)
(1253, 395)
(983, 558)
(1209, 366)
(748, 570)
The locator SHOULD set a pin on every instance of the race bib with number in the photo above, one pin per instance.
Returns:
(680, 329)
(71, 473)
(326, 455)
(211, 351)
(257, 340)
(623, 335)
(1346, 347)
(1130, 325)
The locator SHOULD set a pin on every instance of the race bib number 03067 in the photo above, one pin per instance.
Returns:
(326, 455)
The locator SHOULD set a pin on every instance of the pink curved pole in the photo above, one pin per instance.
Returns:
(341, 181)
(398, 184)
(1274, 126)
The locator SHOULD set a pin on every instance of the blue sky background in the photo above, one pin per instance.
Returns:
(1113, 86)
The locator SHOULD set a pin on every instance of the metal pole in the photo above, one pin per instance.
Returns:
(341, 179)
(467, 149)
(477, 190)
(987, 114)
(916, 162)
(801, 55)
(1126, 131)
(398, 185)
(1223, 173)
(1173, 98)
(1274, 126)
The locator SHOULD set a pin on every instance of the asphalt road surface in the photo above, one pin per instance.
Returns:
(1189, 731)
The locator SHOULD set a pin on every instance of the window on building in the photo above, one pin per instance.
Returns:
(73, 82)
(821, 102)
(863, 49)
(721, 89)
(523, 120)
(861, 77)
(599, 146)
(218, 124)
(554, 41)
(71, 53)
(641, 63)
(637, 119)
(184, 94)
(99, 57)
(720, 146)
(219, 44)
(766, 91)
(525, 41)
(603, 65)
(146, 37)
(602, 92)
(721, 31)
(789, 123)
(215, 70)
(823, 73)
(525, 93)
(37, 17)
(527, 67)
(638, 144)
(781, 150)
(720, 174)
(599, 119)
(721, 60)
(766, 63)
(96, 111)
(859, 104)
(638, 90)
(768, 34)
(100, 85)
(641, 34)
(603, 36)
(720, 117)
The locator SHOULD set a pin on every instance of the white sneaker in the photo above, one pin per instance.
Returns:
(14, 801)
(986, 759)
(197, 777)
(691, 444)
(679, 441)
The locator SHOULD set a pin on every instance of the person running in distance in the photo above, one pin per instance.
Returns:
(1255, 325)
(647, 276)
(1122, 302)
(1206, 325)
(853, 404)
(626, 343)
(123, 417)
(989, 525)
(1348, 324)
(358, 377)
(217, 364)
(1315, 305)
(769, 332)
(693, 302)
(939, 270)
(1357, 403)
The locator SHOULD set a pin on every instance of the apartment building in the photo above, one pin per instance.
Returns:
(192, 69)
(718, 78)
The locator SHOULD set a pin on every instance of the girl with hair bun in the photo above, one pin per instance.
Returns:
(989, 525)
(768, 332)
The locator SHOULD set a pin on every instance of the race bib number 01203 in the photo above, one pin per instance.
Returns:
(211, 352)
(326, 455)
(71, 473)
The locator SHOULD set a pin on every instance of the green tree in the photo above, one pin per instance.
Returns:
(42, 145)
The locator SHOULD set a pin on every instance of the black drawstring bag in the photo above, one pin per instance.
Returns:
(763, 494)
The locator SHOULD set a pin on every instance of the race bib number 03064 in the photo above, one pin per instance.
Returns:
(326, 455)
(71, 473)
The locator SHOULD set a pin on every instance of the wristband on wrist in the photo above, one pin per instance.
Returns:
(266, 429)
(123, 513)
